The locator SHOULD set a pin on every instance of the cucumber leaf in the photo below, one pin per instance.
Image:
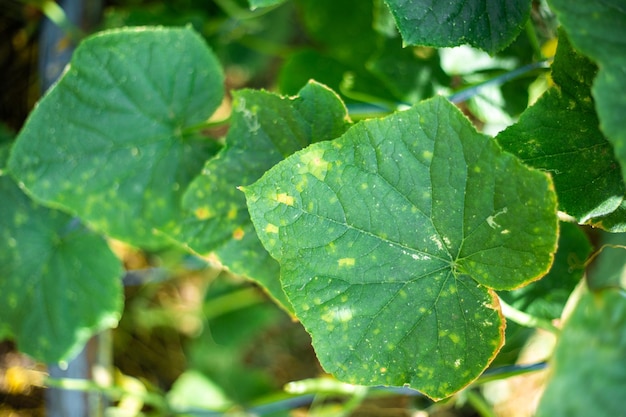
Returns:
(561, 134)
(585, 367)
(392, 238)
(59, 282)
(598, 30)
(113, 141)
(488, 25)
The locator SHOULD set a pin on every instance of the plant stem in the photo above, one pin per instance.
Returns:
(232, 301)
(532, 38)
(479, 404)
(509, 371)
(232, 9)
(467, 93)
(525, 319)
(114, 392)
(57, 15)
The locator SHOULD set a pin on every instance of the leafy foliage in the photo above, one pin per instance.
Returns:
(392, 240)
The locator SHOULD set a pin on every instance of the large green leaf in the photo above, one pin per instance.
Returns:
(598, 30)
(390, 241)
(59, 282)
(489, 25)
(561, 134)
(111, 142)
(587, 373)
(265, 129)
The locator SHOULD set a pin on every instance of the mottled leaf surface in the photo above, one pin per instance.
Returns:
(391, 238)
(111, 142)
(490, 25)
(561, 134)
(587, 377)
(265, 129)
(59, 282)
(598, 30)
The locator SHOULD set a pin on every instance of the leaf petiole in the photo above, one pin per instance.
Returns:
(525, 319)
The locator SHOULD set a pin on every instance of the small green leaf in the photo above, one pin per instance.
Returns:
(111, 142)
(587, 377)
(265, 129)
(391, 237)
(59, 282)
(488, 25)
(614, 222)
(598, 30)
(560, 134)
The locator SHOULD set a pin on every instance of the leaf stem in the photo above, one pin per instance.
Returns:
(479, 404)
(467, 93)
(509, 371)
(532, 38)
(233, 301)
(155, 400)
(57, 15)
(206, 125)
(235, 11)
(525, 319)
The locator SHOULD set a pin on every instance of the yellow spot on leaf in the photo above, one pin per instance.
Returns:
(313, 162)
(271, 228)
(238, 234)
(285, 199)
(202, 213)
(346, 262)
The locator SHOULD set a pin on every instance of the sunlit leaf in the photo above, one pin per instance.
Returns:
(390, 241)
(598, 30)
(561, 134)
(488, 25)
(113, 141)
